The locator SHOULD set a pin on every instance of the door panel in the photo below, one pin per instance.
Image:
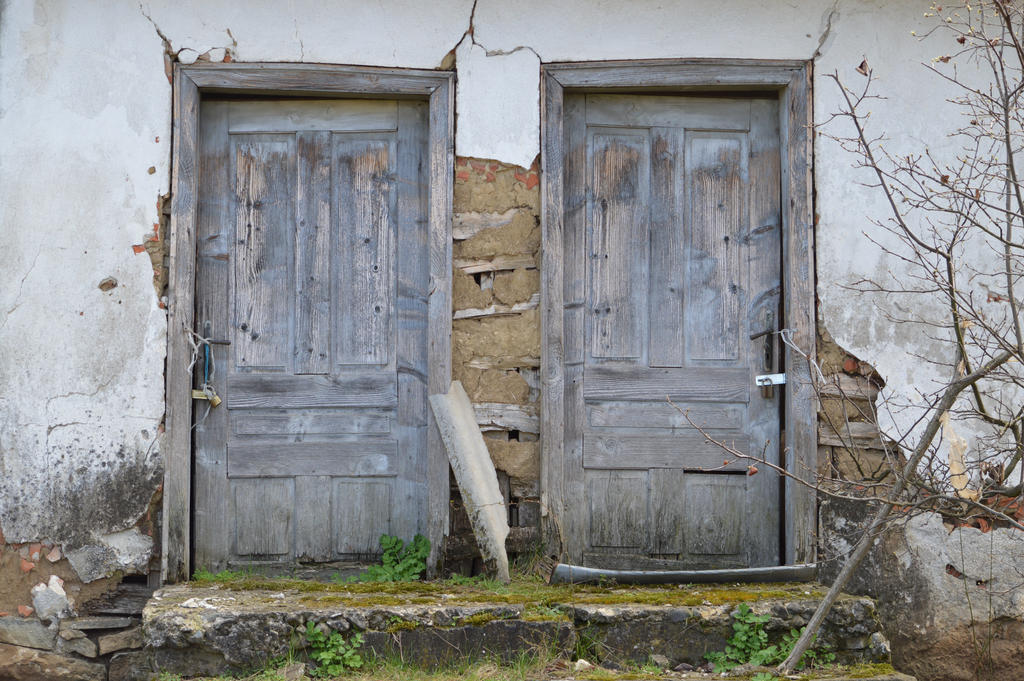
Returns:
(319, 446)
(617, 241)
(672, 261)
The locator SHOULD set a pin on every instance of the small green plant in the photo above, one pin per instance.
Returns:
(400, 562)
(749, 645)
(462, 580)
(332, 653)
(762, 676)
(588, 645)
(204, 576)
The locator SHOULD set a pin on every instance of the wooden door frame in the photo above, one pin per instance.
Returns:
(190, 82)
(791, 80)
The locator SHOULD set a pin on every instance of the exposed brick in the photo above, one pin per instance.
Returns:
(26, 566)
(25, 610)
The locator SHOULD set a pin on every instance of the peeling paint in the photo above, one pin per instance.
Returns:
(86, 148)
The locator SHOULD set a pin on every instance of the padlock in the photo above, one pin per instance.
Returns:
(212, 396)
(207, 393)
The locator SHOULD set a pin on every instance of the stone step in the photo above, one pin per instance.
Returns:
(212, 630)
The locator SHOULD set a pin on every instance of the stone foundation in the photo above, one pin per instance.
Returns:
(211, 630)
(949, 598)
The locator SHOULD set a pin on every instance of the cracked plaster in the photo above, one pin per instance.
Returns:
(85, 111)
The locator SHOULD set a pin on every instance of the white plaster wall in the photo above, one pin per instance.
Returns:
(84, 112)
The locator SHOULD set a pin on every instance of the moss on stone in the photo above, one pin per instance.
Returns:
(522, 591)
(396, 625)
(868, 670)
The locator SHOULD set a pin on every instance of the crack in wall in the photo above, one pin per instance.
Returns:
(21, 289)
(168, 48)
(172, 55)
(833, 14)
(470, 33)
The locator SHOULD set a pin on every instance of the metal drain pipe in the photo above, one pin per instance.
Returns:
(575, 574)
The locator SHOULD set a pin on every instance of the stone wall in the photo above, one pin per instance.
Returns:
(949, 597)
(56, 643)
(496, 334)
(850, 447)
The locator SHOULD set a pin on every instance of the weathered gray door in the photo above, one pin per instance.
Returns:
(672, 262)
(313, 264)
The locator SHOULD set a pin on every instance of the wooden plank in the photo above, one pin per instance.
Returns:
(619, 163)
(687, 449)
(264, 230)
(363, 207)
(353, 389)
(496, 264)
(675, 74)
(412, 261)
(552, 420)
(715, 166)
(315, 79)
(177, 442)
(669, 520)
(665, 295)
(849, 387)
(211, 519)
(313, 522)
(474, 472)
(617, 509)
(439, 326)
(309, 422)
(313, 253)
(761, 251)
(660, 414)
(362, 457)
(855, 435)
(498, 310)
(503, 362)
(693, 113)
(362, 511)
(713, 506)
(578, 211)
(798, 271)
(495, 416)
(572, 520)
(310, 115)
(263, 513)
(706, 384)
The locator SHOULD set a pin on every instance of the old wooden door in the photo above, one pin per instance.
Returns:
(672, 263)
(313, 267)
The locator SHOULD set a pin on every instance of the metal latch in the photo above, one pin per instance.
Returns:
(770, 379)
